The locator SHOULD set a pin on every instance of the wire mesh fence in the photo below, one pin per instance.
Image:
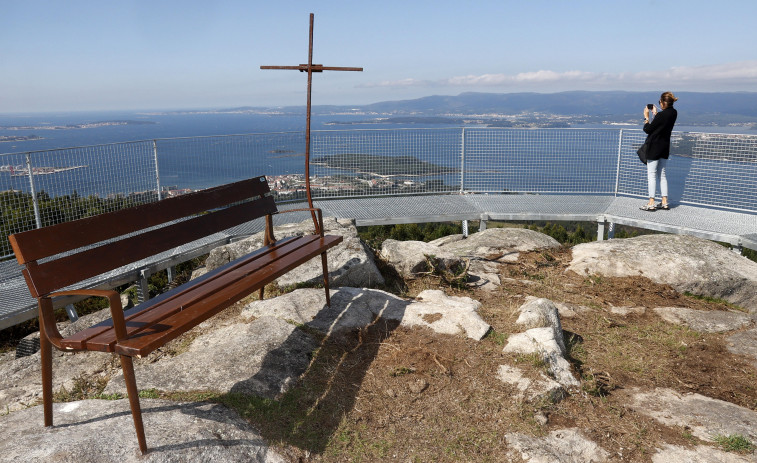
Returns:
(195, 163)
(46, 187)
(704, 169)
(555, 161)
(43, 188)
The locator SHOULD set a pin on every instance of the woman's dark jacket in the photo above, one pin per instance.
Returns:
(659, 134)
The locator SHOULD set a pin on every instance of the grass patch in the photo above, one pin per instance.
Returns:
(84, 387)
(496, 337)
(715, 300)
(734, 443)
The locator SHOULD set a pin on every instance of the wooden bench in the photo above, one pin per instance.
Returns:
(59, 257)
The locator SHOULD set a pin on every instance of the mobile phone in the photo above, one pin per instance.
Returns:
(650, 106)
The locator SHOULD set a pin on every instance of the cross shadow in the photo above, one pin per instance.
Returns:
(309, 413)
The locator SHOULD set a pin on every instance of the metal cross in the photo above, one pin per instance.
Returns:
(310, 68)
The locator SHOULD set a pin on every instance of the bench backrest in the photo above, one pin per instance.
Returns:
(75, 251)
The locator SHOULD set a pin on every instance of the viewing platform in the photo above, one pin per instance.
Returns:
(380, 177)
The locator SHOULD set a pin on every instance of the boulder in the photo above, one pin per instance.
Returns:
(484, 274)
(447, 239)
(559, 446)
(626, 311)
(699, 454)
(684, 262)
(262, 358)
(543, 336)
(410, 258)
(354, 308)
(744, 343)
(351, 263)
(102, 431)
(501, 244)
(706, 321)
(705, 417)
(542, 387)
(542, 341)
(542, 313)
(484, 250)
(566, 310)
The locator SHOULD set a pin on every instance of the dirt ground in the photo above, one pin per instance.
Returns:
(395, 394)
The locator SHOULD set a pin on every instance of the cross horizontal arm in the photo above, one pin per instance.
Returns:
(314, 68)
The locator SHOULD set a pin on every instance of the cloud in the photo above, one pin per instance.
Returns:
(730, 76)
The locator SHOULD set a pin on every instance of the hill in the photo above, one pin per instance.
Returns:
(695, 108)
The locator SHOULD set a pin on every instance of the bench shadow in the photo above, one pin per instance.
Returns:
(193, 409)
(309, 413)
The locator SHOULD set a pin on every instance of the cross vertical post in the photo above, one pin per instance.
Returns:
(310, 68)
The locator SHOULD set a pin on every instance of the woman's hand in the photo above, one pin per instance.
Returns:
(654, 110)
(646, 113)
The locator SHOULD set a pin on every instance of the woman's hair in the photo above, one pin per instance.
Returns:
(668, 98)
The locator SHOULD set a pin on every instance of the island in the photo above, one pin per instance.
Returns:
(9, 138)
(382, 166)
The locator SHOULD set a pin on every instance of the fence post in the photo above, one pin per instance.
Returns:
(462, 161)
(157, 170)
(35, 202)
(617, 169)
(462, 174)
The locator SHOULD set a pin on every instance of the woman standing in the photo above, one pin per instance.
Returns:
(658, 136)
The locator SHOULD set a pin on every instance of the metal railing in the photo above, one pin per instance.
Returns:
(45, 187)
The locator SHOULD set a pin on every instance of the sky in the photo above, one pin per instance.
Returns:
(78, 55)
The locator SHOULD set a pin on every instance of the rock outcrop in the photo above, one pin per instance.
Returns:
(357, 307)
(543, 337)
(410, 258)
(706, 321)
(102, 431)
(541, 387)
(704, 416)
(483, 251)
(500, 244)
(559, 446)
(275, 354)
(686, 263)
(744, 343)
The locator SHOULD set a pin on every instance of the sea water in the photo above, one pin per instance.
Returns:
(220, 162)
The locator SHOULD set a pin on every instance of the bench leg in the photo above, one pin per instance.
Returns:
(326, 278)
(262, 293)
(46, 354)
(136, 412)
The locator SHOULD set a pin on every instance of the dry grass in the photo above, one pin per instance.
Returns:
(386, 393)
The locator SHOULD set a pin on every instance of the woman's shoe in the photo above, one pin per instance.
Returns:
(648, 207)
(664, 207)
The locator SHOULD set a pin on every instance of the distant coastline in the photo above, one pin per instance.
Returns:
(86, 125)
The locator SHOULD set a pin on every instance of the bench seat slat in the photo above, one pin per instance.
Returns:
(181, 322)
(101, 336)
(147, 319)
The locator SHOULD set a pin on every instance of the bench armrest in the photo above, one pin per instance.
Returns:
(318, 224)
(114, 301)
